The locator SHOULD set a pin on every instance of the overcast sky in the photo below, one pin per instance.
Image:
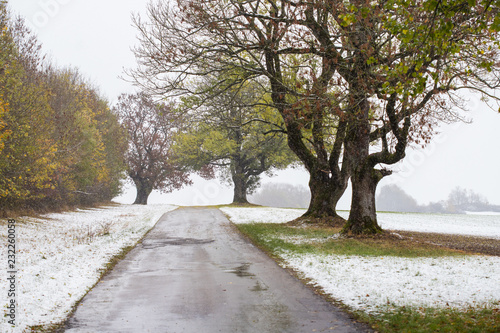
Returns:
(96, 36)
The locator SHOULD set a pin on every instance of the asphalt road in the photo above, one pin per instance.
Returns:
(195, 273)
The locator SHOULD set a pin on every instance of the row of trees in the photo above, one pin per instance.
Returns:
(60, 144)
(353, 83)
(234, 133)
(220, 137)
(73, 149)
(460, 200)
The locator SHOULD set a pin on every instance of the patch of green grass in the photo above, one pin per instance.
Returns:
(480, 320)
(276, 237)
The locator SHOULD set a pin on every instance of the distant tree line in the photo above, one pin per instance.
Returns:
(282, 195)
(224, 138)
(393, 198)
(60, 144)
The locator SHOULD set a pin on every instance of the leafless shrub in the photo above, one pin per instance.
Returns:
(87, 234)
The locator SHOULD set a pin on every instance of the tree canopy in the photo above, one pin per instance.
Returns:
(235, 133)
(150, 161)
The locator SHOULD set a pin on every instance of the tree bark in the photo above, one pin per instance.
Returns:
(363, 214)
(144, 189)
(327, 181)
(240, 189)
(325, 194)
(239, 179)
(364, 177)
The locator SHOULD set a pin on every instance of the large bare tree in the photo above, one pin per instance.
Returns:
(182, 44)
(355, 81)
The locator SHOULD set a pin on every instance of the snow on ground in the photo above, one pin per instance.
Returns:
(459, 224)
(61, 256)
(261, 214)
(484, 213)
(372, 283)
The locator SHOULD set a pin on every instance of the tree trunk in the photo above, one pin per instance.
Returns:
(364, 177)
(325, 194)
(239, 180)
(363, 215)
(240, 189)
(326, 189)
(144, 189)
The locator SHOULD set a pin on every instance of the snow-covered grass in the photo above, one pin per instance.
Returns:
(261, 214)
(457, 224)
(300, 239)
(374, 283)
(61, 256)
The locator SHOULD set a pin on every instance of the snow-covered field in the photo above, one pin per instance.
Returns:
(373, 283)
(457, 224)
(60, 256)
(261, 214)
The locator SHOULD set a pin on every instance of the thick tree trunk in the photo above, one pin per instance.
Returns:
(326, 190)
(240, 189)
(239, 180)
(363, 215)
(325, 194)
(144, 189)
(364, 177)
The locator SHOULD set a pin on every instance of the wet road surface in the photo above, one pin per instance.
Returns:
(194, 273)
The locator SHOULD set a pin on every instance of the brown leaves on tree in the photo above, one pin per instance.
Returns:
(151, 127)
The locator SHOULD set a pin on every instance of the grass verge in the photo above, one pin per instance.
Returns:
(423, 320)
(326, 240)
(275, 238)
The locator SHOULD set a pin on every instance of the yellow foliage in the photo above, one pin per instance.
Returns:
(6, 133)
(55, 135)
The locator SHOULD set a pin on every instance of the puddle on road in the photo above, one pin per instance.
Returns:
(241, 271)
(173, 241)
